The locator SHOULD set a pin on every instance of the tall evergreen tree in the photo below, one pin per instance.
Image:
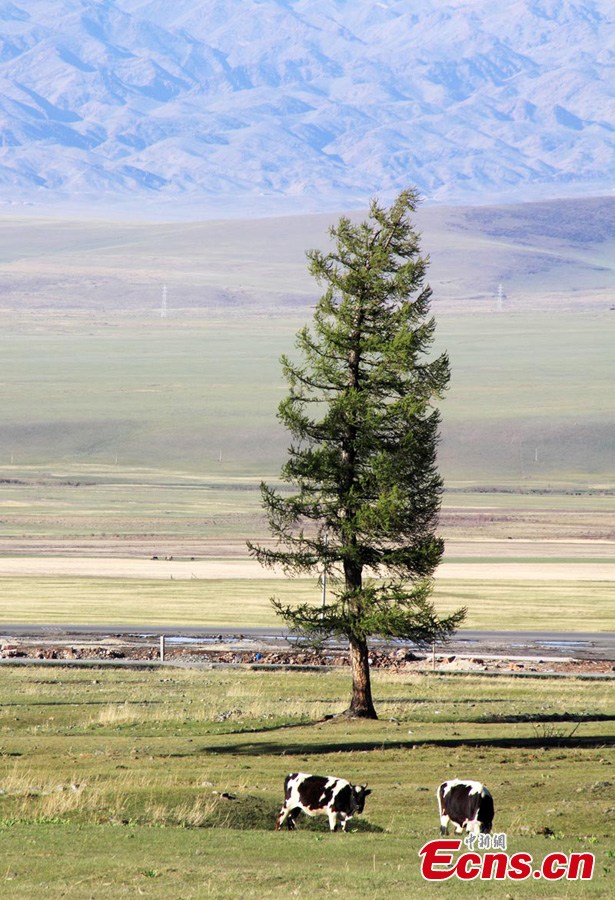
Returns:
(362, 464)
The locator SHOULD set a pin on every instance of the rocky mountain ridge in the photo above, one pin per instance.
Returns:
(302, 105)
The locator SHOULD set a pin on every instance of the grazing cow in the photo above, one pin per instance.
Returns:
(315, 794)
(467, 804)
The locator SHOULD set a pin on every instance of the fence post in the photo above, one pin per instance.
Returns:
(162, 648)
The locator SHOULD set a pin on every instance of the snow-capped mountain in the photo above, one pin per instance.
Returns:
(298, 105)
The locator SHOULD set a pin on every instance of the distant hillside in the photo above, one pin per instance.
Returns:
(530, 403)
(277, 106)
(158, 344)
(553, 255)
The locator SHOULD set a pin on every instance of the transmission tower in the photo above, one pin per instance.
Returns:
(500, 297)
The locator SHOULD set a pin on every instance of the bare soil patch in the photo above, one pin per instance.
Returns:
(242, 651)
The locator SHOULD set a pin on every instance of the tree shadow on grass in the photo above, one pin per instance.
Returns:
(543, 718)
(486, 719)
(275, 748)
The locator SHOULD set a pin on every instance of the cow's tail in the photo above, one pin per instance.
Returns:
(487, 809)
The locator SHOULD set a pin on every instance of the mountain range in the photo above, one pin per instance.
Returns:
(235, 107)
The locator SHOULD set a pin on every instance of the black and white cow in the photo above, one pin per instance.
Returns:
(467, 804)
(314, 794)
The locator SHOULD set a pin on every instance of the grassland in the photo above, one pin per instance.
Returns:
(119, 422)
(529, 402)
(158, 450)
(113, 784)
(492, 604)
(125, 435)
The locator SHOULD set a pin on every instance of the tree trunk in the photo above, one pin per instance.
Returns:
(361, 705)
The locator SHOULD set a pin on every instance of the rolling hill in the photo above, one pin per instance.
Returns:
(95, 369)
(553, 255)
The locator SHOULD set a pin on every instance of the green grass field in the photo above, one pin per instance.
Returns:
(124, 434)
(500, 605)
(112, 784)
(529, 401)
(153, 431)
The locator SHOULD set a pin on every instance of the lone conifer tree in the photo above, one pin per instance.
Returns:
(363, 460)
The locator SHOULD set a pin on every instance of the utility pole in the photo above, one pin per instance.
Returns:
(500, 297)
(324, 577)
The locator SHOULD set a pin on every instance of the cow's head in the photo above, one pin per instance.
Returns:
(359, 793)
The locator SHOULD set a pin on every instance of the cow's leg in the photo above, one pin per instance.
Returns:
(281, 817)
(332, 819)
(444, 820)
(345, 819)
(292, 818)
